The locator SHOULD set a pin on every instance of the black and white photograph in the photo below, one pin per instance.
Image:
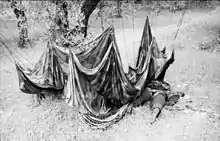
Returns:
(109, 70)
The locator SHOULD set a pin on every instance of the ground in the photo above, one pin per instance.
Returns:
(195, 72)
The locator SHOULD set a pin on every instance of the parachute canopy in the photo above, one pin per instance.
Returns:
(47, 74)
(96, 82)
(101, 90)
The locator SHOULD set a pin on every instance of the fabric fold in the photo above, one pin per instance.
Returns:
(94, 80)
(47, 74)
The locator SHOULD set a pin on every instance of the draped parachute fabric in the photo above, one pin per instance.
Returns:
(88, 58)
(51, 71)
(101, 90)
(150, 59)
(97, 84)
(47, 74)
(145, 43)
(101, 93)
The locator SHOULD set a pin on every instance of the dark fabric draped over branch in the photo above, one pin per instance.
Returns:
(103, 92)
(47, 74)
(97, 84)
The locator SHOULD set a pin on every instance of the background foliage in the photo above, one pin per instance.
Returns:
(41, 12)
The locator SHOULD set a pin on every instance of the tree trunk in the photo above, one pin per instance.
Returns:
(86, 10)
(119, 10)
(21, 24)
(60, 22)
(61, 16)
(59, 25)
(138, 1)
(100, 14)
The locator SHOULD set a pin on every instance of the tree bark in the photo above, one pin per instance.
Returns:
(138, 1)
(60, 22)
(100, 14)
(21, 24)
(83, 17)
(119, 10)
(86, 10)
(59, 25)
(61, 16)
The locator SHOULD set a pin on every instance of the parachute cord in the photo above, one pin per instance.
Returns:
(14, 57)
(24, 57)
(9, 51)
(153, 18)
(133, 49)
(179, 25)
(6, 56)
(124, 38)
(180, 22)
(133, 23)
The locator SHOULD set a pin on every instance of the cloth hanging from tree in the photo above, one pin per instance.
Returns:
(101, 90)
(97, 84)
(51, 70)
(47, 74)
